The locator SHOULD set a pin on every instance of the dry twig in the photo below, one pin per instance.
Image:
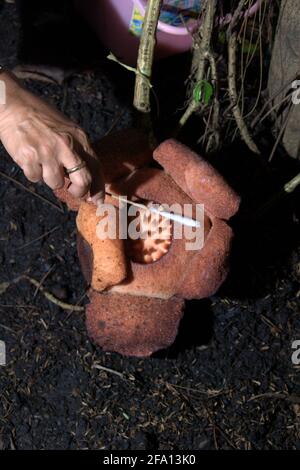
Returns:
(109, 370)
(39, 238)
(42, 198)
(51, 297)
(214, 138)
(287, 189)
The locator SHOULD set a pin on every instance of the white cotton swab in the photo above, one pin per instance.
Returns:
(187, 221)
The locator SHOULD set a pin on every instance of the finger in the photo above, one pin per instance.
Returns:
(80, 179)
(80, 182)
(53, 176)
(33, 173)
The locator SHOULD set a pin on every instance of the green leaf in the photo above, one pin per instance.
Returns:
(203, 92)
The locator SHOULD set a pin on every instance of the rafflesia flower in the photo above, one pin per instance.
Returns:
(138, 287)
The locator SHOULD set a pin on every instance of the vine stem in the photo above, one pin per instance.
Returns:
(201, 52)
(145, 57)
(232, 46)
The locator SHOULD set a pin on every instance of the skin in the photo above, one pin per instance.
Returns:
(44, 143)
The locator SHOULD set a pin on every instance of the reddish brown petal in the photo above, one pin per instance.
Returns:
(198, 179)
(209, 267)
(133, 326)
(122, 152)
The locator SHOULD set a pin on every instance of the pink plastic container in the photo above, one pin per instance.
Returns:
(111, 20)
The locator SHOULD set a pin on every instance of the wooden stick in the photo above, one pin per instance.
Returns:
(187, 221)
(145, 57)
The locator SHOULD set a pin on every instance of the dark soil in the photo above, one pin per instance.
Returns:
(227, 383)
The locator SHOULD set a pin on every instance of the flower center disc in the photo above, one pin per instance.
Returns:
(154, 238)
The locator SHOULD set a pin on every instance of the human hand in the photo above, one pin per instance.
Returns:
(46, 144)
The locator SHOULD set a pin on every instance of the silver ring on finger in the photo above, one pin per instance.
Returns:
(75, 168)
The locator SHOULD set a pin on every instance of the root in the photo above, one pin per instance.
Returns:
(233, 95)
